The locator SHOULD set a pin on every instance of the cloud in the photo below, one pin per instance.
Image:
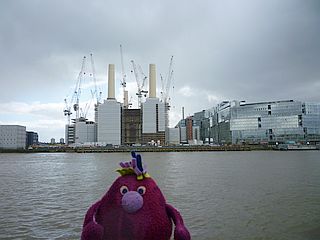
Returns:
(223, 50)
(186, 91)
(49, 110)
(174, 117)
(44, 118)
(213, 99)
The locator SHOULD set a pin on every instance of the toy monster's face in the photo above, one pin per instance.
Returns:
(134, 195)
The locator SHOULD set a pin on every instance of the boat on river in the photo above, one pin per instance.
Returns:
(297, 147)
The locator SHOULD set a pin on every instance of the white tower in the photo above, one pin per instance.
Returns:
(153, 111)
(109, 115)
(152, 81)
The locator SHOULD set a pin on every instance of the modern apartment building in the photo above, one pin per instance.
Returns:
(32, 139)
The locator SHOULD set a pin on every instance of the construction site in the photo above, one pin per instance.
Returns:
(116, 122)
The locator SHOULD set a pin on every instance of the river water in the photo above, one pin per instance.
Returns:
(221, 195)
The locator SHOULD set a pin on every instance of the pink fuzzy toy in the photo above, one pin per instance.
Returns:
(133, 209)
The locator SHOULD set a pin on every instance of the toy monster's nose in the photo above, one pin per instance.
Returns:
(132, 201)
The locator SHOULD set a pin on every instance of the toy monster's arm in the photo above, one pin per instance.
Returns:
(92, 230)
(180, 231)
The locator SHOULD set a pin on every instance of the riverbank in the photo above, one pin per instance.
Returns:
(166, 149)
(203, 148)
(190, 148)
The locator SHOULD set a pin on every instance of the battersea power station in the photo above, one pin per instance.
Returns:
(230, 122)
(117, 124)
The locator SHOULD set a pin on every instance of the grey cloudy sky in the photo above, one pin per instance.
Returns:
(249, 50)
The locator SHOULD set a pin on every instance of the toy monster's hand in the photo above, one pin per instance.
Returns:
(92, 231)
(180, 231)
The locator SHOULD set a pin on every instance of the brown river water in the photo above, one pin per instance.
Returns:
(221, 195)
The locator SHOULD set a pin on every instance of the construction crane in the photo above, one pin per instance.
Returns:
(144, 79)
(165, 85)
(84, 111)
(123, 81)
(67, 110)
(162, 88)
(140, 83)
(74, 102)
(130, 102)
(95, 94)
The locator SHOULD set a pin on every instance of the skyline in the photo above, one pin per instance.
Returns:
(223, 50)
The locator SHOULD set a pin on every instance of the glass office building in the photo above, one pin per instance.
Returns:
(265, 122)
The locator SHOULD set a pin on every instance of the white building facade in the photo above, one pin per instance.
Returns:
(12, 137)
(153, 116)
(173, 136)
(85, 131)
(109, 122)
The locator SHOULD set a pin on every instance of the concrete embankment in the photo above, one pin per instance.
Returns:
(142, 149)
(165, 149)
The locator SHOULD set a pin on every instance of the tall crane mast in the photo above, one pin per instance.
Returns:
(74, 102)
(123, 81)
(144, 79)
(77, 91)
(166, 84)
(96, 94)
(140, 84)
(67, 110)
(162, 88)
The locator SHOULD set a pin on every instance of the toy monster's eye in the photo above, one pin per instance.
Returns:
(141, 190)
(124, 190)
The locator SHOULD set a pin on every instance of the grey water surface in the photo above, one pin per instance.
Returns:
(221, 195)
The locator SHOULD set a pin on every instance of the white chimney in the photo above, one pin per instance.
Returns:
(111, 89)
(152, 81)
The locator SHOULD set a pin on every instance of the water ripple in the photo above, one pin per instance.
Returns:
(227, 195)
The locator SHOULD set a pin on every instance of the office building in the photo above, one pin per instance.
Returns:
(266, 122)
(12, 137)
(32, 139)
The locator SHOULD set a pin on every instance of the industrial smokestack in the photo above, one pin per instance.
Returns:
(152, 81)
(111, 89)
